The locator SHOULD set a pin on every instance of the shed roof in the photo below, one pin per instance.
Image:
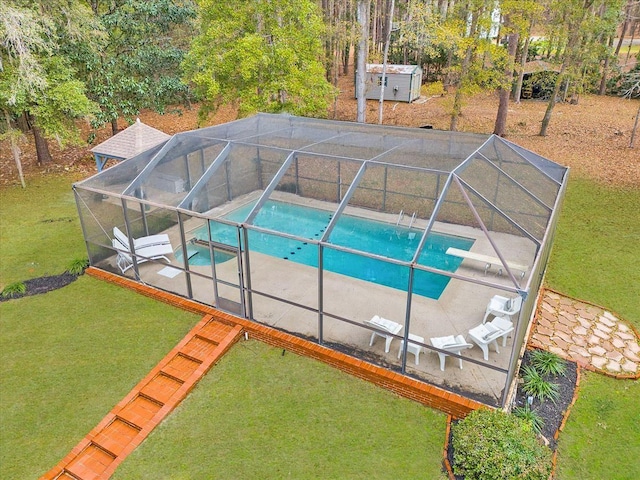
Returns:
(132, 140)
(399, 69)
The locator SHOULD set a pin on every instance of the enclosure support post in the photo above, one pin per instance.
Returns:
(407, 320)
(339, 185)
(226, 177)
(320, 294)
(247, 276)
(132, 249)
(185, 256)
(384, 189)
(186, 164)
(239, 237)
(259, 168)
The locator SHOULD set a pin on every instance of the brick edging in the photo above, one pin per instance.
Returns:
(445, 460)
(429, 395)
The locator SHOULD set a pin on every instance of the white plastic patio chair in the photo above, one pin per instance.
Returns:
(389, 326)
(502, 306)
(486, 334)
(450, 343)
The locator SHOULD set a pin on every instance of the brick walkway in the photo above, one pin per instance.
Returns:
(587, 334)
(131, 421)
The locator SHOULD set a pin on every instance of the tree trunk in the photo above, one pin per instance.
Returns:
(523, 60)
(42, 147)
(625, 24)
(634, 130)
(15, 149)
(114, 126)
(384, 62)
(503, 107)
(364, 7)
(605, 70)
(552, 103)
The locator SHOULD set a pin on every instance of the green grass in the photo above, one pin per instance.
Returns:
(261, 414)
(39, 229)
(602, 436)
(67, 358)
(595, 255)
(595, 258)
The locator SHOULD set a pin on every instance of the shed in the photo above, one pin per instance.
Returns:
(132, 140)
(402, 82)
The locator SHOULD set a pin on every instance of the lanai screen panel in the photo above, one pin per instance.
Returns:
(117, 178)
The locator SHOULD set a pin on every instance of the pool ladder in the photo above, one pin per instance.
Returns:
(413, 219)
(401, 216)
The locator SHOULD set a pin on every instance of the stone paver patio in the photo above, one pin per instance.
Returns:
(587, 334)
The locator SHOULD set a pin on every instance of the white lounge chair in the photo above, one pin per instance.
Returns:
(148, 241)
(152, 247)
(486, 334)
(502, 306)
(390, 327)
(450, 343)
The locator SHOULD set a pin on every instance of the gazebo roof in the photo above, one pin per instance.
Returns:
(131, 141)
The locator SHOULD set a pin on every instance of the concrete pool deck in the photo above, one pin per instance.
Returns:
(460, 307)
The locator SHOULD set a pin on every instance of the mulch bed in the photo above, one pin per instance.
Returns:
(39, 285)
(551, 413)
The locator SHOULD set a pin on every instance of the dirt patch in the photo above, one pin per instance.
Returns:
(40, 285)
(591, 137)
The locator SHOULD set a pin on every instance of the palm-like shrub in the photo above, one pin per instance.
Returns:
(537, 386)
(78, 266)
(530, 416)
(14, 289)
(547, 363)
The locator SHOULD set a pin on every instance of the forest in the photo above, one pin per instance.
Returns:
(100, 60)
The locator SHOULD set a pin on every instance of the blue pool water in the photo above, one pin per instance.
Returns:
(354, 232)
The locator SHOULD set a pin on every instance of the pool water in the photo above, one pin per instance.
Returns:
(367, 235)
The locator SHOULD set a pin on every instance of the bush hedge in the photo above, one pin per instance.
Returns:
(493, 445)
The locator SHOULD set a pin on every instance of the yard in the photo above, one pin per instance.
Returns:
(70, 355)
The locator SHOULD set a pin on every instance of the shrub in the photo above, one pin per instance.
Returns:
(530, 416)
(547, 363)
(14, 289)
(493, 445)
(433, 89)
(535, 385)
(77, 266)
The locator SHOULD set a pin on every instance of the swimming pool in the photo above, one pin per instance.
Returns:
(358, 233)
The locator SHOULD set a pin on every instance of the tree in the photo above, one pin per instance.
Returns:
(36, 80)
(260, 55)
(517, 18)
(580, 29)
(364, 7)
(468, 36)
(138, 64)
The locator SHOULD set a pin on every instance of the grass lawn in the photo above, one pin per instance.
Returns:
(67, 358)
(595, 254)
(595, 258)
(602, 436)
(40, 232)
(261, 414)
